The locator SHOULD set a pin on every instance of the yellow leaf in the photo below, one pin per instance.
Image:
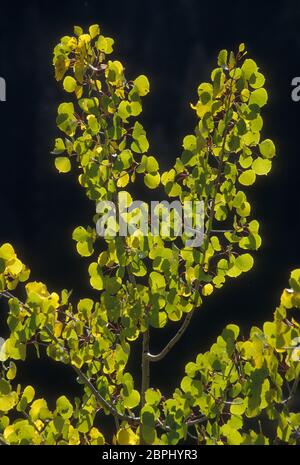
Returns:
(58, 328)
(126, 436)
(123, 179)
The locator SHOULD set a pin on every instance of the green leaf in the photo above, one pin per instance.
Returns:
(222, 58)
(78, 31)
(59, 147)
(63, 164)
(258, 97)
(8, 402)
(148, 424)
(247, 178)
(29, 394)
(125, 160)
(94, 30)
(132, 400)
(93, 124)
(238, 406)
(80, 234)
(96, 279)
(152, 396)
(157, 281)
(231, 331)
(7, 251)
(123, 179)
(142, 84)
(295, 280)
(138, 130)
(64, 407)
(267, 148)
(207, 289)
(244, 262)
(257, 80)
(5, 387)
(11, 373)
(140, 145)
(69, 84)
(249, 67)
(39, 410)
(261, 166)
(151, 165)
(85, 249)
(242, 47)
(105, 44)
(152, 180)
(158, 319)
(233, 436)
(190, 142)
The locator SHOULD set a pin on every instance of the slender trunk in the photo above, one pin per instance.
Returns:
(145, 374)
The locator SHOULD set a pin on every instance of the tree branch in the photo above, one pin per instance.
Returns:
(173, 341)
(101, 399)
(145, 365)
(197, 421)
(145, 373)
(87, 382)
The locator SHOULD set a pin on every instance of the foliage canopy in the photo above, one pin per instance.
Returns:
(145, 282)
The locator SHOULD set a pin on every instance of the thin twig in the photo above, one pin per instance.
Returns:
(197, 421)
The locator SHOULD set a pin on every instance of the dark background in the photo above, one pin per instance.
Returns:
(174, 43)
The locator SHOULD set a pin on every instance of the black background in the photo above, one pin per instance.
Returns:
(175, 44)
